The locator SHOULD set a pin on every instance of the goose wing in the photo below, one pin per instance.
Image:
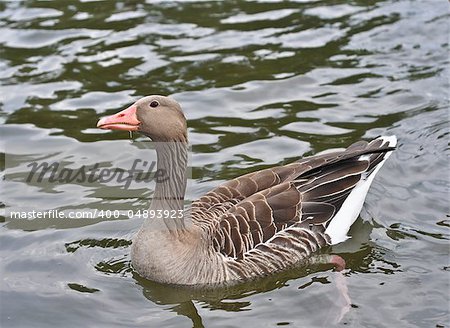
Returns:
(252, 209)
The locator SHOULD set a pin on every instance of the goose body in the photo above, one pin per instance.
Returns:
(252, 226)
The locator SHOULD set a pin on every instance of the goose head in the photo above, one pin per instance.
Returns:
(158, 117)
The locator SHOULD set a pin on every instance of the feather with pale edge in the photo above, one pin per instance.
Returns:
(270, 219)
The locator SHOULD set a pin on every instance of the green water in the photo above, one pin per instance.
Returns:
(261, 83)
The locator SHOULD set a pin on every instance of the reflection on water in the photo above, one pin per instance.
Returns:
(262, 83)
(236, 299)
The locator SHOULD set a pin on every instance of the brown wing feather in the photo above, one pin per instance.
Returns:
(250, 210)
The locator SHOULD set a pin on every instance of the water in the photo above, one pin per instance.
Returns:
(261, 83)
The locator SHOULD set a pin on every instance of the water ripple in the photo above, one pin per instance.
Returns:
(261, 83)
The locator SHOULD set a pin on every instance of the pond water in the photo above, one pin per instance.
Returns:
(261, 83)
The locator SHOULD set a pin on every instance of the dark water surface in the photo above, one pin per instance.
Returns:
(261, 83)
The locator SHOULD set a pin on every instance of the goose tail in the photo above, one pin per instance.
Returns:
(348, 213)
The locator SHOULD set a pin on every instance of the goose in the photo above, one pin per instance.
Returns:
(252, 226)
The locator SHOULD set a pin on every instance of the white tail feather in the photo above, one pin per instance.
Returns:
(350, 209)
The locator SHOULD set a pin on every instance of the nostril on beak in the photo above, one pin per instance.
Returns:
(121, 115)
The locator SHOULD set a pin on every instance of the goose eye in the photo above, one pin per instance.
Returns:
(154, 104)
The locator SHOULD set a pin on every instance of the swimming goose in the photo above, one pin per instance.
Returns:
(252, 226)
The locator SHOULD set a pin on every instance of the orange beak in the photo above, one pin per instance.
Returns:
(125, 120)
